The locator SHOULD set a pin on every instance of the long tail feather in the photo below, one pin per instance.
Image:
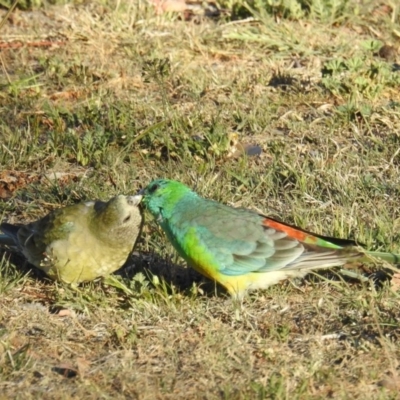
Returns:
(9, 237)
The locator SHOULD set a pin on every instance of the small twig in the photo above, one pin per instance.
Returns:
(2, 23)
(332, 336)
(3, 66)
(8, 13)
(240, 22)
(43, 43)
(394, 156)
(148, 130)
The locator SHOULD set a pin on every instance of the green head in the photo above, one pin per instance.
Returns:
(162, 195)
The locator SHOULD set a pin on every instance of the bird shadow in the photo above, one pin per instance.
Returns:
(183, 279)
(148, 263)
(21, 265)
(376, 278)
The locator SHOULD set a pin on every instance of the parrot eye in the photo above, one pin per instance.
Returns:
(153, 188)
(126, 219)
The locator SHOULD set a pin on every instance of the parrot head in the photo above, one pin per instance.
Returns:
(161, 196)
(119, 218)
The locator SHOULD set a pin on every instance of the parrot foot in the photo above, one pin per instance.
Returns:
(48, 261)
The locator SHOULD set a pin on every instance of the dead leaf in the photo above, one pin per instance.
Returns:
(66, 95)
(390, 382)
(250, 150)
(388, 53)
(163, 6)
(66, 370)
(10, 181)
(190, 9)
(66, 313)
(395, 282)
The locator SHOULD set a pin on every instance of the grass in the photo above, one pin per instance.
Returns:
(122, 96)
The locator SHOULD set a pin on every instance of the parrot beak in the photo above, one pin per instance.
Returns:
(135, 200)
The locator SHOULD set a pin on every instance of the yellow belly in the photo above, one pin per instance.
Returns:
(237, 286)
(75, 261)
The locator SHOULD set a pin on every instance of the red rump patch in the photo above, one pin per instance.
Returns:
(291, 231)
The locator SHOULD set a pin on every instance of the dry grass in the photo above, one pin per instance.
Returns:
(122, 96)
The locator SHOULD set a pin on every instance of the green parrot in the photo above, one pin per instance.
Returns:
(80, 242)
(239, 248)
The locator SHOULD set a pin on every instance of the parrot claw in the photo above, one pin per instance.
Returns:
(47, 261)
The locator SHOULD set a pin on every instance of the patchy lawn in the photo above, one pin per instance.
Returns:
(291, 110)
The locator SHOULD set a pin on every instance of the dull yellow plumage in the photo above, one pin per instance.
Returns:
(80, 242)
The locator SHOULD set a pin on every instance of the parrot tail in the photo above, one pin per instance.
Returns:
(9, 237)
(6, 240)
(239, 285)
